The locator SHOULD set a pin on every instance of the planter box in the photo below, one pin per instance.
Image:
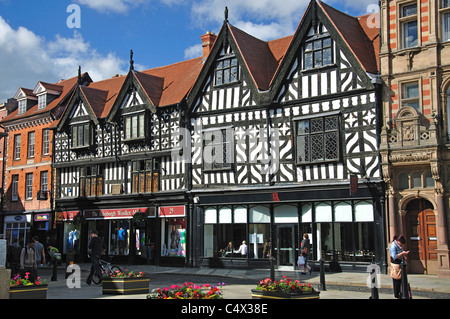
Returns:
(125, 286)
(261, 294)
(28, 292)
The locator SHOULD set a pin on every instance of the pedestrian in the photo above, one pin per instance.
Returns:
(97, 248)
(28, 261)
(242, 249)
(397, 255)
(40, 252)
(14, 257)
(305, 250)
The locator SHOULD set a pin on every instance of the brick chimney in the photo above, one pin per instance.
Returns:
(208, 40)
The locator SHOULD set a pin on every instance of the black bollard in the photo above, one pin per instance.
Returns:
(404, 282)
(272, 269)
(55, 272)
(374, 284)
(322, 275)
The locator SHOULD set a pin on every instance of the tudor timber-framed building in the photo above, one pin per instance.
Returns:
(415, 68)
(277, 130)
(112, 158)
(254, 141)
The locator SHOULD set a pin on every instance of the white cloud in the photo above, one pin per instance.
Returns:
(30, 58)
(264, 19)
(193, 52)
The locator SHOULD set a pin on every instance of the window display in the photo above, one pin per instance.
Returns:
(71, 243)
(174, 237)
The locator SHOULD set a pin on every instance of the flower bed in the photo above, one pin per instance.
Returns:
(23, 288)
(121, 283)
(284, 289)
(189, 291)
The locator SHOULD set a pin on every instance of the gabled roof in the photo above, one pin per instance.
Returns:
(359, 37)
(47, 87)
(170, 84)
(262, 58)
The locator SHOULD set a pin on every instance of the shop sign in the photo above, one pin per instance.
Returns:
(61, 216)
(41, 217)
(122, 213)
(353, 184)
(172, 211)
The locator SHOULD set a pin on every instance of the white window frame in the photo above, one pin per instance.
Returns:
(445, 19)
(17, 142)
(45, 142)
(31, 144)
(29, 186)
(22, 106)
(14, 187)
(404, 21)
(42, 101)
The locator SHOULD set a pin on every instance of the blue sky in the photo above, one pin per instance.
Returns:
(37, 43)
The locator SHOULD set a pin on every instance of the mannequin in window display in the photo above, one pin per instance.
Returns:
(174, 239)
(182, 248)
(122, 234)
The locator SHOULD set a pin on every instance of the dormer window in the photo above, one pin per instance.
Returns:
(227, 70)
(318, 49)
(42, 101)
(81, 135)
(134, 126)
(22, 106)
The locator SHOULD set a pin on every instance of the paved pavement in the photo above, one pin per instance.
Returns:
(238, 282)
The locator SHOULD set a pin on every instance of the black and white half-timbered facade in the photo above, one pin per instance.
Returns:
(279, 130)
(114, 169)
(254, 142)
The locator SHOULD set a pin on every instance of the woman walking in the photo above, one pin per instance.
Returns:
(305, 250)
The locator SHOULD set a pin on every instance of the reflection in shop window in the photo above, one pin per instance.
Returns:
(173, 237)
(71, 242)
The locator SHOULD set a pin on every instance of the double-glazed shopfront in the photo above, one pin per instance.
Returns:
(344, 230)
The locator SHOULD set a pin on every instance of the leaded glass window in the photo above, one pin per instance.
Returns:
(318, 139)
(227, 70)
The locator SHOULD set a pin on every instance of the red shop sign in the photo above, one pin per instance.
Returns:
(171, 211)
(122, 213)
(70, 215)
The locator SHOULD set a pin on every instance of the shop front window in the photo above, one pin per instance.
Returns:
(115, 233)
(173, 241)
(17, 231)
(225, 231)
(259, 231)
(71, 243)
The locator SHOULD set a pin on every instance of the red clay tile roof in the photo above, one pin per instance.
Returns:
(262, 58)
(101, 95)
(176, 79)
(66, 85)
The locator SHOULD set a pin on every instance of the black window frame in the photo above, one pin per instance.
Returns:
(224, 67)
(225, 153)
(87, 135)
(309, 155)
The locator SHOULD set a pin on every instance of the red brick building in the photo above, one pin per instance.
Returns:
(27, 180)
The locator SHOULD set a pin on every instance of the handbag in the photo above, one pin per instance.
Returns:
(396, 271)
(301, 261)
(305, 251)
